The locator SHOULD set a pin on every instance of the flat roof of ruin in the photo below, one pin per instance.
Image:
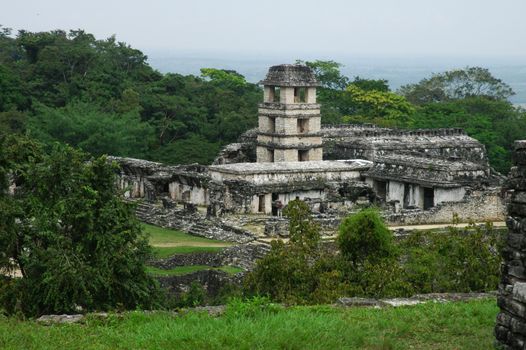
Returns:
(293, 167)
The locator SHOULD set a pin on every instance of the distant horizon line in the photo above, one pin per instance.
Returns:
(258, 56)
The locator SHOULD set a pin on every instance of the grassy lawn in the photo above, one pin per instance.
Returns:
(183, 270)
(459, 325)
(165, 252)
(164, 237)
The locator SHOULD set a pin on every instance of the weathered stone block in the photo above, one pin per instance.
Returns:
(519, 292)
(504, 320)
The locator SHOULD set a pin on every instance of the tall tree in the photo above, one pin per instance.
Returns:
(76, 243)
(457, 84)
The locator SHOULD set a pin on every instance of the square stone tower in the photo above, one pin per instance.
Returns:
(289, 117)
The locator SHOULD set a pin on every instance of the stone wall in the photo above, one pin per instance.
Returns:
(478, 205)
(510, 330)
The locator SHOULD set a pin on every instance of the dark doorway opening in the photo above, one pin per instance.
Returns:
(261, 205)
(381, 189)
(275, 197)
(429, 198)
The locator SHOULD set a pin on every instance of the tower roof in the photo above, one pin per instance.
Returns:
(290, 75)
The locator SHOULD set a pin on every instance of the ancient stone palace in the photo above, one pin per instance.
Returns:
(414, 176)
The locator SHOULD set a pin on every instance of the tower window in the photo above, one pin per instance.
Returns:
(303, 126)
(303, 155)
(276, 94)
(271, 124)
(300, 95)
(271, 155)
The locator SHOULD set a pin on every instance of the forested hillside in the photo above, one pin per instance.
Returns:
(102, 96)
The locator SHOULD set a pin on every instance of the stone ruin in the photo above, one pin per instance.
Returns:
(510, 330)
(415, 176)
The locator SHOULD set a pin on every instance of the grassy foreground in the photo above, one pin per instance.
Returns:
(459, 325)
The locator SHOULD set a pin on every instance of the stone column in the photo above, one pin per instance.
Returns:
(510, 330)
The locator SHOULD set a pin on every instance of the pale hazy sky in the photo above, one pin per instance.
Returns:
(344, 27)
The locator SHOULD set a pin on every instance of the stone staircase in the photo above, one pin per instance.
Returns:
(192, 222)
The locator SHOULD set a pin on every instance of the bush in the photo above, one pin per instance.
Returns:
(364, 236)
(289, 272)
(461, 260)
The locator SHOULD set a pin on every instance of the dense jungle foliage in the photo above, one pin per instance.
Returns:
(102, 96)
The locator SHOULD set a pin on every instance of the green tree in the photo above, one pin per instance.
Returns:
(289, 272)
(87, 127)
(457, 84)
(76, 243)
(327, 73)
(377, 107)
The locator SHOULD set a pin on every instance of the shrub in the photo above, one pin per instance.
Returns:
(364, 236)
(460, 260)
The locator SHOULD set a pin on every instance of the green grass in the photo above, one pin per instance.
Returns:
(183, 270)
(165, 252)
(160, 236)
(431, 326)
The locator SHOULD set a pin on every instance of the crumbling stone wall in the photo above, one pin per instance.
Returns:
(477, 205)
(510, 330)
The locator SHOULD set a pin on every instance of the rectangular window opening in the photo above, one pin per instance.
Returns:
(272, 124)
(276, 94)
(300, 95)
(303, 155)
(303, 126)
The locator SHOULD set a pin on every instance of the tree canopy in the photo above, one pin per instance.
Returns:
(457, 84)
(75, 242)
(102, 90)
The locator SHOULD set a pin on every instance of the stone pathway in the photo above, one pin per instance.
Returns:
(435, 226)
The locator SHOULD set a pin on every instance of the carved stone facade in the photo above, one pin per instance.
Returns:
(510, 330)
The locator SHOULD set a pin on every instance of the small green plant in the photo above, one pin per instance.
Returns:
(251, 307)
